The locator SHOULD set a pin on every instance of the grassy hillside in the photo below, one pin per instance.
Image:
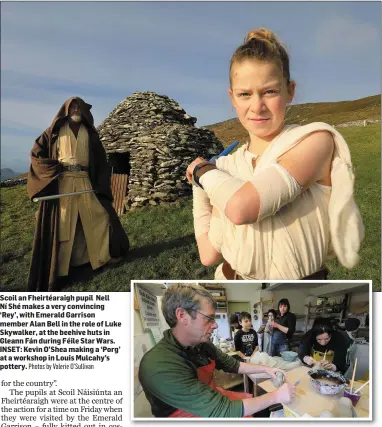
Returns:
(329, 112)
(161, 238)
(163, 245)
(7, 173)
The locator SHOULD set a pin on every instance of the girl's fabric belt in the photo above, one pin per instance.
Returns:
(231, 274)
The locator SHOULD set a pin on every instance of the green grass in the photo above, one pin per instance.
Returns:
(162, 240)
(365, 149)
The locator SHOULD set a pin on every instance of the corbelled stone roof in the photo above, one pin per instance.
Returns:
(161, 140)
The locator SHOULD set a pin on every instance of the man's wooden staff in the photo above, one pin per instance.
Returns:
(57, 196)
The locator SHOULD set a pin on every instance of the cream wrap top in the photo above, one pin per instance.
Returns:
(297, 240)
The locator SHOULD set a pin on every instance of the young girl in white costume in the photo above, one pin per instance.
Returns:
(282, 203)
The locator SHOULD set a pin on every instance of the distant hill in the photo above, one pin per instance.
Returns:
(333, 113)
(7, 173)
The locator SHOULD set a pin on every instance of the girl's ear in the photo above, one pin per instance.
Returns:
(230, 93)
(291, 90)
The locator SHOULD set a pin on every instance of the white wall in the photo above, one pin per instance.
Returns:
(223, 331)
(359, 296)
(138, 325)
(334, 288)
(245, 292)
(296, 299)
(356, 308)
(143, 335)
(253, 294)
(163, 323)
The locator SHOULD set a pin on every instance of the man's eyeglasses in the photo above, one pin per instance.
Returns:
(210, 319)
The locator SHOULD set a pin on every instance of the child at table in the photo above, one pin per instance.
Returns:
(246, 341)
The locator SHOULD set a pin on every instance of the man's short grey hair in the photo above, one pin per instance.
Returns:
(186, 296)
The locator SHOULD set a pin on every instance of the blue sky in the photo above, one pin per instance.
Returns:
(104, 52)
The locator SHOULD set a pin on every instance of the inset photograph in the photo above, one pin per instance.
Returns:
(250, 349)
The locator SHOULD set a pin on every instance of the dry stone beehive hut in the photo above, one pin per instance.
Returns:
(152, 139)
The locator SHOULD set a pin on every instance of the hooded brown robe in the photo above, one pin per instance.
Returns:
(43, 181)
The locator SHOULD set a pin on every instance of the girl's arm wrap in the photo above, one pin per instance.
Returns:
(202, 211)
(275, 186)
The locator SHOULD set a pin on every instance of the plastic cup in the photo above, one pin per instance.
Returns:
(352, 396)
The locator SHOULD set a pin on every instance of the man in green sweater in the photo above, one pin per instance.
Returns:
(177, 373)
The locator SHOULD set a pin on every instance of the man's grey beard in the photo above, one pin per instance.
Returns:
(76, 118)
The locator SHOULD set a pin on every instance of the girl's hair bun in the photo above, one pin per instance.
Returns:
(262, 34)
(264, 45)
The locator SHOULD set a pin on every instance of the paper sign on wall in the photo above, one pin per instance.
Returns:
(148, 308)
(157, 334)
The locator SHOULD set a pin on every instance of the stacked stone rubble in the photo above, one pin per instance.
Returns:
(161, 140)
(13, 182)
(357, 123)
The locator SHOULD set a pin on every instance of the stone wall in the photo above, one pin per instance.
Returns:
(357, 123)
(161, 140)
(13, 182)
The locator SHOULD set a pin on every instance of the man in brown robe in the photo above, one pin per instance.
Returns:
(73, 230)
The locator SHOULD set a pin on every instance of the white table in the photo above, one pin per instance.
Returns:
(309, 401)
(256, 379)
(245, 377)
